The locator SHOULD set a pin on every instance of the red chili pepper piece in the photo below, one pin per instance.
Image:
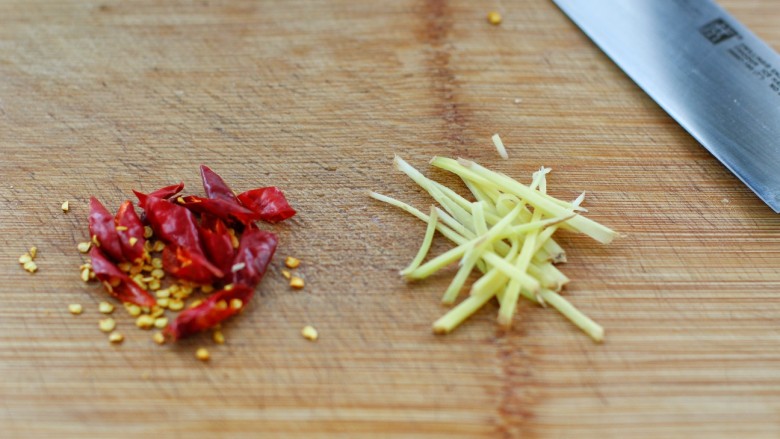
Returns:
(217, 242)
(268, 202)
(164, 193)
(220, 208)
(215, 186)
(102, 229)
(132, 240)
(189, 266)
(208, 314)
(117, 283)
(173, 224)
(255, 251)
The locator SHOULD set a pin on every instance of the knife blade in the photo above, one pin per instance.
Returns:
(705, 69)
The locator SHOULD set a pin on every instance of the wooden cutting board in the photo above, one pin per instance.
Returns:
(98, 98)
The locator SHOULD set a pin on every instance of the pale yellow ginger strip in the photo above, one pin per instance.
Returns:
(548, 205)
(512, 292)
(500, 146)
(426, 244)
(593, 329)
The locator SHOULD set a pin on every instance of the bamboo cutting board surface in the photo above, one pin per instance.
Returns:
(98, 98)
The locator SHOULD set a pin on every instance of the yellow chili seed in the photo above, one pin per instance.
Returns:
(163, 302)
(296, 282)
(202, 354)
(105, 308)
(116, 337)
(195, 303)
(309, 333)
(158, 338)
(147, 267)
(158, 273)
(148, 232)
(144, 321)
(65, 206)
(157, 312)
(158, 246)
(133, 309)
(154, 285)
(292, 262)
(31, 266)
(148, 246)
(75, 309)
(163, 294)
(494, 18)
(207, 288)
(157, 263)
(228, 287)
(95, 240)
(33, 252)
(236, 303)
(25, 258)
(175, 305)
(125, 266)
(107, 325)
(186, 290)
(221, 305)
(286, 274)
(132, 240)
(218, 337)
(85, 274)
(173, 288)
(121, 228)
(160, 322)
(84, 246)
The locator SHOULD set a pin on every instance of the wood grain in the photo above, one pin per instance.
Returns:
(316, 97)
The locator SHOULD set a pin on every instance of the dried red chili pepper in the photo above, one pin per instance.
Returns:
(102, 229)
(173, 224)
(255, 251)
(217, 243)
(268, 202)
(215, 186)
(210, 312)
(117, 283)
(164, 193)
(130, 230)
(190, 266)
(220, 208)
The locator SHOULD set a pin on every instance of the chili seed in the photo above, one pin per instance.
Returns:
(132, 240)
(85, 274)
(292, 262)
(202, 354)
(125, 266)
(154, 284)
(84, 246)
(161, 322)
(116, 337)
(286, 274)
(163, 294)
(31, 267)
(33, 252)
(157, 263)
(158, 273)
(121, 228)
(133, 309)
(107, 325)
(144, 321)
(159, 338)
(105, 308)
(296, 282)
(207, 288)
(148, 232)
(221, 305)
(175, 305)
(494, 18)
(65, 206)
(195, 303)
(25, 258)
(75, 309)
(309, 333)
(236, 303)
(218, 337)
(158, 246)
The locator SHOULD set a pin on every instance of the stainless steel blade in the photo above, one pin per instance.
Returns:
(708, 71)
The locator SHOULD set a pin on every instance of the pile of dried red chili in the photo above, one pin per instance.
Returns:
(212, 242)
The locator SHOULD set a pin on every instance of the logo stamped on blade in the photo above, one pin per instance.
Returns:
(717, 31)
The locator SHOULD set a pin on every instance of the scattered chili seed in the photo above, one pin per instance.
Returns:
(292, 262)
(163, 294)
(84, 246)
(147, 267)
(286, 274)
(124, 266)
(85, 274)
(221, 305)
(144, 321)
(30, 267)
(158, 338)
(296, 282)
(154, 284)
(157, 312)
(133, 309)
(121, 228)
(116, 337)
(494, 18)
(148, 232)
(236, 303)
(161, 322)
(158, 273)
(25, 258)
(158, 246)
(75, 309)
(207, 289)
(202, 354)
(218, 337)
(105, 308)
(107, 325)
(33, 252)
(65, 206)
(175, 305)
(195, 303)
(132, 240)
(309, 333)
(157, 263)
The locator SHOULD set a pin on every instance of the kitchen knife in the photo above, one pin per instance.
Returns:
(708, 71)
